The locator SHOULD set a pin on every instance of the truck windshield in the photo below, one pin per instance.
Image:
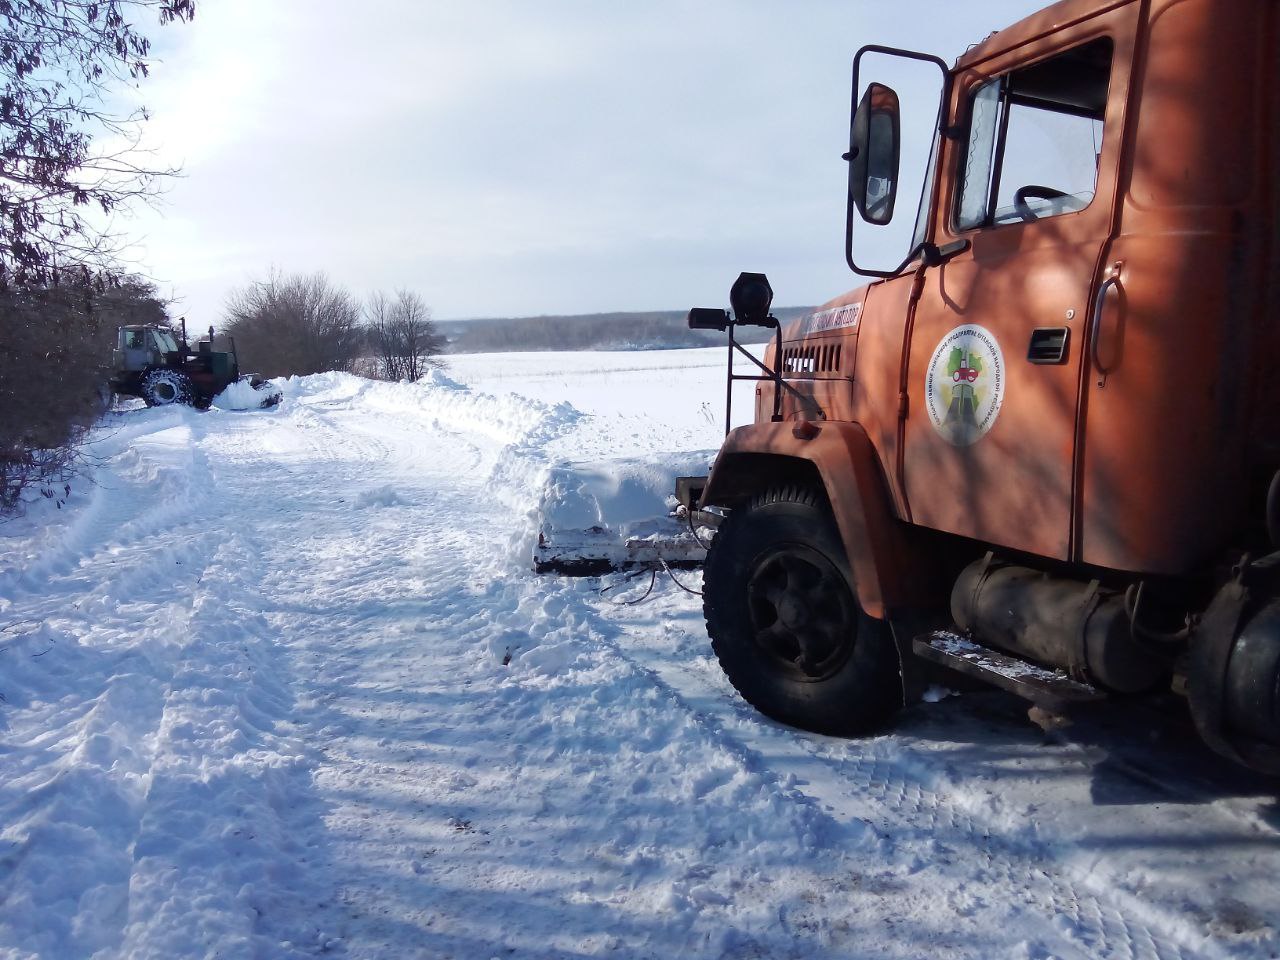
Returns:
(1034, 139)
(165, 342)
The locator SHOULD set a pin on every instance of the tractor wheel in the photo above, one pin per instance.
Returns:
(785, 622)
(163, 387)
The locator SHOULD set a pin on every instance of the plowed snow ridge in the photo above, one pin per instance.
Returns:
(279, 684)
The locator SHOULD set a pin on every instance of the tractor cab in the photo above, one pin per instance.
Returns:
(138, 347)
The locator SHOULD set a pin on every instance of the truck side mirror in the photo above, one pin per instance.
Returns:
(875, 147)
(708, 318)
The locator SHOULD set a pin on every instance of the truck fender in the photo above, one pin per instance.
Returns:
(841, 457)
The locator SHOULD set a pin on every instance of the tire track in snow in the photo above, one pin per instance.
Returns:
(361, 433)
(348, 627)
(102, 750)
(145, 716)
(181, 767)
(341, 616)
(227, 768)
(142, 496)
(919, 826)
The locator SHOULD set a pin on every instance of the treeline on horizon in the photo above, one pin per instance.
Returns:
(655, 330)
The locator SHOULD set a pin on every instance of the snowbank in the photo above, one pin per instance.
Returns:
(622, 496)
(241, 396)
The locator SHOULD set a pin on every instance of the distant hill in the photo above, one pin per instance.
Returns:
(657, 330)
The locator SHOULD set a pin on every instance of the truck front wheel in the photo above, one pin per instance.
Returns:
(785, 623)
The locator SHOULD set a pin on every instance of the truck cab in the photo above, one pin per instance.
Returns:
(139, 347)
(1040, 438)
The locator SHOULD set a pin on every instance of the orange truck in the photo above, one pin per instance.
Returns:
(1043, 448)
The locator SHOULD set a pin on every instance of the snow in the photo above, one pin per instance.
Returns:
(280, 684)
(622, 511)
(623, 494)
(243, 395)
(238, 395)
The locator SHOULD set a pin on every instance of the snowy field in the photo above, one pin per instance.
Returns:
(279, 684)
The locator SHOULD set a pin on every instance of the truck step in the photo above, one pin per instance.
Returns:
(1051, 689)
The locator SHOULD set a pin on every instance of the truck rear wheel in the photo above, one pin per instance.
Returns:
(785, 622)
(163, 387)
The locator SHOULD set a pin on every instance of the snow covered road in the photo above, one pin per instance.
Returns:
(279, 684)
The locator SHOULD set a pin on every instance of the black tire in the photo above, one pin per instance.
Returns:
(785, 622)
(160, 388)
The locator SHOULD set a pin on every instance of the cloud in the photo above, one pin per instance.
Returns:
(506, 157)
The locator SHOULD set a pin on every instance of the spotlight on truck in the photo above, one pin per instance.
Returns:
(751, 297)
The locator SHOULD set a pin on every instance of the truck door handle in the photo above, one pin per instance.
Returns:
(1112, 282)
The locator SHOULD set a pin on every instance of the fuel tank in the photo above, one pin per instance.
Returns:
(1077, 626)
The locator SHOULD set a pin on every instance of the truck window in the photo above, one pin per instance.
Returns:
(926, 198)
(165, 342)
(133, 340)
(984, 116)
(1034, 138)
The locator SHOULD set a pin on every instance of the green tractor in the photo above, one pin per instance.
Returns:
(148, 362)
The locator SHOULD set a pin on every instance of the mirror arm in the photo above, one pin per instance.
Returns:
(942, 126)
(935, 256)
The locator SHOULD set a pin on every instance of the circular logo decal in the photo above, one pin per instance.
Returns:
(964, 385)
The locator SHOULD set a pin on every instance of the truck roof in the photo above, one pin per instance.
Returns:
(1029, 29)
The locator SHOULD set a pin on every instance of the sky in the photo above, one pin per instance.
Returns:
(512, 159)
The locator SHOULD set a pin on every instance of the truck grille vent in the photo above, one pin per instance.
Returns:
(813, 359)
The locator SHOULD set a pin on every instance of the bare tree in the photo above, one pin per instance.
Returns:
(59, 61)
(57, 342)
(295, 324)
(60, 298)
(402, 332)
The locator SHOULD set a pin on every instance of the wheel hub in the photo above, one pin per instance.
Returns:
(791, 613)
(802, 614)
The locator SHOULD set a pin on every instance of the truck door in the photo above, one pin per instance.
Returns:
(134, 348)
(1025, 210)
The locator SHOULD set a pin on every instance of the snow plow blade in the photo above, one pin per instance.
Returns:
(596, 518)
(269, 393)
(248, 392)
(595, 552)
